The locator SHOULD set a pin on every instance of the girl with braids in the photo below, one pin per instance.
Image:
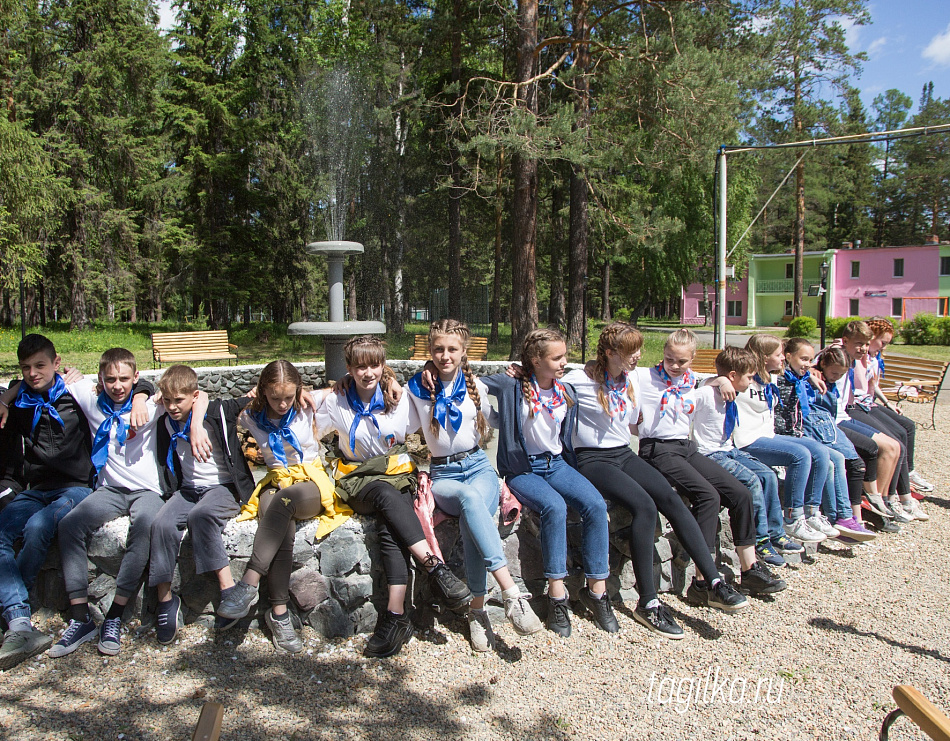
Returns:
(454, 420)
(607, 409)
(537, 416)
(375, 475)
(295, 488)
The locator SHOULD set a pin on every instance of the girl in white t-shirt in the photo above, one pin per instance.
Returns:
(455, 422)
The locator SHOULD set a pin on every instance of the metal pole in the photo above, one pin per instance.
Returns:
(721, 254)
(22, 271)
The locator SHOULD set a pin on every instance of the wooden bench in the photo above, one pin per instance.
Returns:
(175, 347)
(705, 360)
(209, 722)
(477, 348)
(915, 380)
(927, 716)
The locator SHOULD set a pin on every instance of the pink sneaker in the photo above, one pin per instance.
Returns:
(853, 529)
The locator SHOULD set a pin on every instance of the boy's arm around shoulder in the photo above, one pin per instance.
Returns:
(498, 382)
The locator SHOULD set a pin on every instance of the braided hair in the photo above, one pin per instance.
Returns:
(369, 350)
(624, 339)
(534, 348)
(460, 330)
(880, 325)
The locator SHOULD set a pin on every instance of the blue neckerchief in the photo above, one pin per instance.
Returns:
(802, 387)
(880, 362)
(27, 397)
(100, 444)
(278, 433)
(377, 404)
(177, 434)
(770, 390)
(445, 404)
(732, 419)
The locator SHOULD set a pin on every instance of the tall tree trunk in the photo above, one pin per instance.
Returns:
(524, 298)
(496, 273)
(556, 300)
(42, 295)
(605, 290)
(455, 189)
(352, 296)
(577, 259)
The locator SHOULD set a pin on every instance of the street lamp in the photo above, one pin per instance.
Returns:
(822, 310)
(22, 273)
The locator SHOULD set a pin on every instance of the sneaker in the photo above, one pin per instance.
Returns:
(110, 636)
(659, 620)
(601, 609)
(19, 645)
(559, 617)
(784, 544)
(521, 616)
(76, 634)
(766, 552)
(223, 623)
(887, 526)
(479, 630)
(238, 601)
(801, 530)
(920, 482)
(913, 509)
(447, 586)
(853, 530)
(917, 493)
(168, 620)
(897, 512)
(722, 596)
(283, 635)
(876, 504)
(392, 631)
(820, 523)
(759, 580)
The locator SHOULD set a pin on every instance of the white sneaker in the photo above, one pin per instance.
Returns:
(820, 523)
(920, 482)
(521, 616)
(913, 509)
(876, 502)
(479, 630)
(801, 531)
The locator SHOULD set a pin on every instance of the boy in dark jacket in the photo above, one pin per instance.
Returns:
(208, 493)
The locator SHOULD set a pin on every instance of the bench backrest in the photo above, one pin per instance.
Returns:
(193, 343)
(902, 368)
(705, 360)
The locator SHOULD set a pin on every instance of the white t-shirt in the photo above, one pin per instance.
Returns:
(542, 432)
(301, 426)
(755, 418)
(843, 385)
(709, 418)
(195, 473)
(447, 442)
(667, 426)
(131, 466)
(335, 414)
(595, 427)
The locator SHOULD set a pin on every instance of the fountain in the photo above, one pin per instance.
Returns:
(337, 123)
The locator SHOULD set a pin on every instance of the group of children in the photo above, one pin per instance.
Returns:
(86, 453)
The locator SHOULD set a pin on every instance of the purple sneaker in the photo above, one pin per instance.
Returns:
(854, 530)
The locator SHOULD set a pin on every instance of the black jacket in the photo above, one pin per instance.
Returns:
(223, 434)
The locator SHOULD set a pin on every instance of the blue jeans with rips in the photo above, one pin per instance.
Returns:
(763, 483)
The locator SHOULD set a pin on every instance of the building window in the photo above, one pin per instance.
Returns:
(854, 308)
(789, 271)
(945, 266)
(788, 308)
(733, 308)
(899, 267)
(897, 306)
(855, 268)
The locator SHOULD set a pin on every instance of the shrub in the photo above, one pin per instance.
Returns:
(926, 329)
(835, 326)
(801, 326)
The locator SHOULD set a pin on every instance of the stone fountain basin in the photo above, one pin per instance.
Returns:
(335, 248)
(336, 328)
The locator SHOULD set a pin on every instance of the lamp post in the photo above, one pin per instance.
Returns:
(21, 271)
(822, 306)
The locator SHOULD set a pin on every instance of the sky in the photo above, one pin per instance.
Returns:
(907, 43)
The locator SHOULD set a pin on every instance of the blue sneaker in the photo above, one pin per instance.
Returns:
(784, 544)
(168, 620)
(74, 636)
(766, 552)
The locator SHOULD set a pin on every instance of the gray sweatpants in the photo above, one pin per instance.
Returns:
(102, 506)
(205, 512)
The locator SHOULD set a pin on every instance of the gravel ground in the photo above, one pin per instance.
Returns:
(823, 657)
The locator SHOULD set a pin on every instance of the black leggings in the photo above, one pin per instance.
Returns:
(396, 525)
(879, 419)
(625, 478)
(866, 448)
(707, 485)
(273, 554)
(855, 472)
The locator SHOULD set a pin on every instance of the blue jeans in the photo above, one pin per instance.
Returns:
(835, 500)
(763, 483)
(34, 516)
(549, 489)
(806, 464)
(468, 489)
